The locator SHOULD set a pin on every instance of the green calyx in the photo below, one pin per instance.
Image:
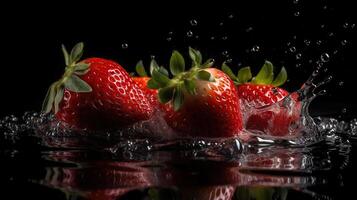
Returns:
(70, 80)
(264, 77)
(182, 82)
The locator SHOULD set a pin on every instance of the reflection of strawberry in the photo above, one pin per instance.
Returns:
(263, 91)
(107, 181)
(203, 101)
(96, 94)
(208, 193)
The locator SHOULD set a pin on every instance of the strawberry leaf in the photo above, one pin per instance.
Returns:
(139, 68)
(65, 55)
(49, 99)
(244, 75)
(265, 75)
(76, 52)
(58, 97)
(226, 69)
(81, 66)
(152, 84)
(82, 72)
(75, 84)
(208, 63)
(166, 94)
(196, 56)
(153, 66)
(205, 76)
(161, 78)
(177, 63)
(281, 78)
(190, 86)
(178, 99)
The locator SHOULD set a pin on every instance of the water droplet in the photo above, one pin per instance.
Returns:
(341, 83)
(307, 42)
(225, 53)
(221, 23)
(344, 110)
(343, 42)
(335, 52)
(196, 37)
(298, 56)
(124, 45)
(239, 64)
(152, 57)
(171, 33)
(255, 48)
(331, 34)
(169, 39)
(297, 13)
(229, 60)
(325, 57)
(193, 22)
(224, 38)
(318, 42)
(325, 7)
(189, 34)
(249, 29)
(212, 38)
(346, 25)
(231, 16)
(295, 1)
(322, 26)
(292, 49)
(298, 65)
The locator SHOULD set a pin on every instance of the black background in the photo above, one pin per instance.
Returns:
(33, 32)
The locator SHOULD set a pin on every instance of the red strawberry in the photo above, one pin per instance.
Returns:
(203, 102)
(96, 94)
(261, 92)
(143, 79)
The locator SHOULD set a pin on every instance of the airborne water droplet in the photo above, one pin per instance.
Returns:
(225, 53)
(249, 29)
(344, 110)
(212, 38)
(318, 42)
(224, 38)
(341, 83)
(221, 23)
(292, 49)
(343, 42)
(189, 33)
(297, 13)
(124, 45)
(169, 39)
(193, 22)
(325, 57)
(255, 48)
(170, 33)
(307, 42)
(295, 1)
(230, 16)
(298, 56)
(229, 60)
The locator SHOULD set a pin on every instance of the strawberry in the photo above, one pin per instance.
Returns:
(261, 92)
(96, 94)
(200, 102)
(143, 79)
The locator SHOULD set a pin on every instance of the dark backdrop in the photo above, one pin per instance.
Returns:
(31, 35)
